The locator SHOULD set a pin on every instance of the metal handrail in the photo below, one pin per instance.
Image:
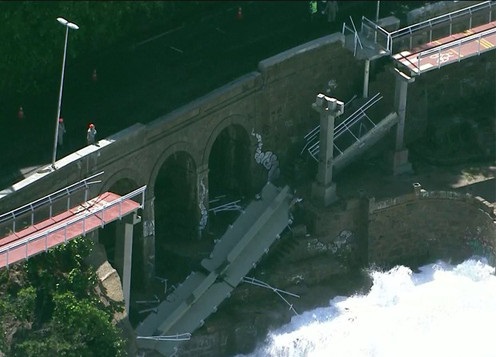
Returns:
(355, 35)
(342, 127)
(441, 19)
(376, 29)
(450, 18)
(29, 207)
(348, 121)
(80, 217)
(458, 44)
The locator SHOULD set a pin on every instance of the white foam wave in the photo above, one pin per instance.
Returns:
(443, 310)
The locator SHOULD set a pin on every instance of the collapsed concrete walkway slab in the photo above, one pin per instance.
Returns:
(235, 254)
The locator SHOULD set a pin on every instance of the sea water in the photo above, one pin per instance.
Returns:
(442, 310)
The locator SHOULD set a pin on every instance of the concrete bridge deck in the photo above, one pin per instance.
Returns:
(449, 49)
(78, 221)
(236, 253)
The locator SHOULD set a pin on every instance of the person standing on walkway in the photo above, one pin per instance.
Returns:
(60, 132)
(313, 9)
(90, 134)
(20, 114)
(331, 10)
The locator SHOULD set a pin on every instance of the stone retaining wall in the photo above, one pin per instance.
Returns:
(428, 225)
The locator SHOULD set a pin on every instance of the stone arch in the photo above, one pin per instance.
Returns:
(234, 119)
(131, 175)
(229, 169)
(181, 146)
(230, 162)
(233, 130)
(176, 212)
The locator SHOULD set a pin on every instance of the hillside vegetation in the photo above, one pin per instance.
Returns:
(53, 305)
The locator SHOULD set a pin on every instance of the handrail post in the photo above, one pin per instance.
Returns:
(32, 214)
(50, 206)
(430, 31)
(68, 199)
(13, 222)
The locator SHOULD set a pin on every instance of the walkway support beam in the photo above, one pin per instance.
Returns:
(400, 159)
(123, 258)
(323, 189)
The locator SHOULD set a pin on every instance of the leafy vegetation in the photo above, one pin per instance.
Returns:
(51, 306)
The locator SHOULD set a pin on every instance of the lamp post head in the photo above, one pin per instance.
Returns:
(64, 22)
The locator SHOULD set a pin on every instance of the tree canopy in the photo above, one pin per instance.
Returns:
(51, 306)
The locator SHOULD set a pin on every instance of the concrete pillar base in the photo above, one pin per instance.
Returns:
(400, 163)
(324, 195)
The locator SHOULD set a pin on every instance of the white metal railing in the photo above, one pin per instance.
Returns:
(443, 57)
(49, 200)
(356, 38)
(177, 337)
(341, 128)
(430, 24)
(79, 217)
(383, 36)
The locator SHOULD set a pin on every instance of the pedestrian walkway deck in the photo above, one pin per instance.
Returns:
(428, 44)
(447, 50)
(77, 221)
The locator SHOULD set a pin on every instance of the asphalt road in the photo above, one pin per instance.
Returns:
(141, 81)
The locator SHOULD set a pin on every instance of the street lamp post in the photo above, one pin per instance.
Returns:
(68, 26)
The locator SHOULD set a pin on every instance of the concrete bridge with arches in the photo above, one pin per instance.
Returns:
(224, 146)
(234, 140)
(228, 143)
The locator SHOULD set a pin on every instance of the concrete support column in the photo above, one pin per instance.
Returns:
(124, 250)
(203, 197)
(400, 157)
(323, 189)
(366, 78)
(148, 240)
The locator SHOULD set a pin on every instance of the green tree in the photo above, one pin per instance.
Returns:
(50, 307)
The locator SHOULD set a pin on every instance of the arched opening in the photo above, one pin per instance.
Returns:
(176, 217)
(229, 176)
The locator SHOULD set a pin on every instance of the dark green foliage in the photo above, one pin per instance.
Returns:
(33, 41)
(49, 306)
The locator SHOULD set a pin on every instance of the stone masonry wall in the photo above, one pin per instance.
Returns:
(423, 226)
